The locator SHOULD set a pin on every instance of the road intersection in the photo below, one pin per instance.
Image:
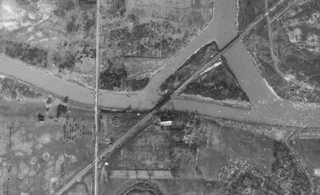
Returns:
(280, 112)
(147, 119)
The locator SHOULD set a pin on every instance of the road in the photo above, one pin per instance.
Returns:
(273, 56)
(136, 129)
(96, 105)
(147, 119)
(268, 107)
(279, 14)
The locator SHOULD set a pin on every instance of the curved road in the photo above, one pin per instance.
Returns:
(268, 107)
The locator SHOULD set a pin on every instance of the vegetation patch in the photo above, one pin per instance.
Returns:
(217, 83)
(286, 49)
(150, 31)
(12, 89)
(191, 148)
(209, 157)
(249, 10)
(296, 40)
(141, 187)
(286, 85)
(286, 178)
(57, 35)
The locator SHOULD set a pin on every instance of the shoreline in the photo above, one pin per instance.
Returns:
(227, 103)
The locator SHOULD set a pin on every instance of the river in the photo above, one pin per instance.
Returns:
(268, 107)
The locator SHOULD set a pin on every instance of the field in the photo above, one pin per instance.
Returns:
(288, 59)
(215, 83)
(53, 35)
(149, 31)
(37, 157)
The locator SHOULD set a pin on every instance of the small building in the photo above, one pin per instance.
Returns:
(40, 117)
(165, 121)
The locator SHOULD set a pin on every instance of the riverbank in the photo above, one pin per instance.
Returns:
(268, 108)
(228, 103)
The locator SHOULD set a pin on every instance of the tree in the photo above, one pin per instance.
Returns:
(49, 100)
(66, 99)
(61, 110)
